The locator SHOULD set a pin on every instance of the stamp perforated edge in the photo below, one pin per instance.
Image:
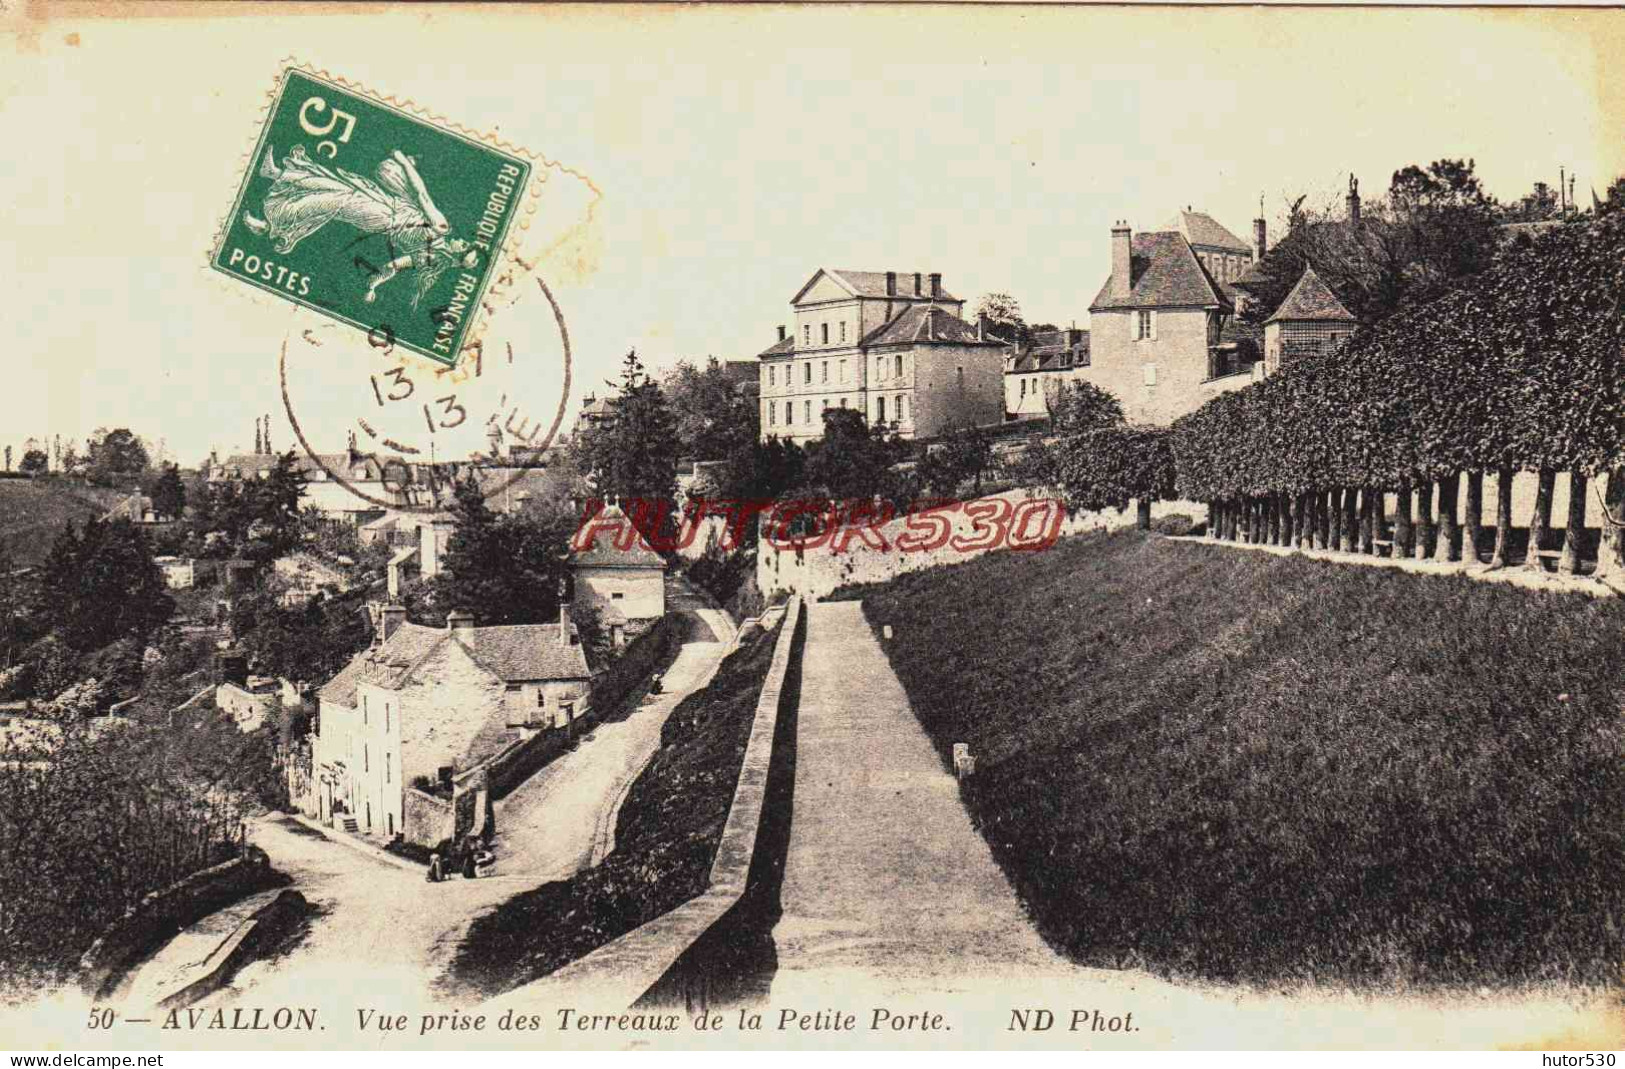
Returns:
(504, 276)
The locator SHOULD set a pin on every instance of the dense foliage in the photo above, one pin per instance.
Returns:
(1520, 367)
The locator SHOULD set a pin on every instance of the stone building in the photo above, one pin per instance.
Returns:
(1035, 367)
(1311, 320)
(1160, 326)
(891, 345)
(618, 574)
(436, 702)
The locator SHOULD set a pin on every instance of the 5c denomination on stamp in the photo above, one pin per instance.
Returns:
(373, 216)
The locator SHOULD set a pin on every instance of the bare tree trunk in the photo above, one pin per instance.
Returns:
(1335, 518)
(1541, 521)
(1569, 562)
(1317, 519)
(1473, 526)
(1213, 519)
(1402, 521)
(1272, 519)
(1424, 520)
(1503, 516)
(1350, 530)
(1306, 520)
(1142, 518)
(1444, 548)
(1294, 519)
(1328, 507)
(1611, 552)
(1368, 520)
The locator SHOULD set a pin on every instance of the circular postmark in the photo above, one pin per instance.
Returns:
(396, 430)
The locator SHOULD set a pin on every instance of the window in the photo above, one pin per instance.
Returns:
(843, 402)
(366, 765)
(806, 333)
(1024, 387)
(843, 370)
(1142, 326)
(789, 413)
(823, 329)
(770, 372)
(843, 330)
(880, 410)
(823, 371)
(959, 374)
(899, 365)
(806, 372)
(617, 595)
(386, 718)
(363, 708)
(770, 407)
(1150, 374)
(823, 405)
(806, 411)
(902, 408)
(386, 767)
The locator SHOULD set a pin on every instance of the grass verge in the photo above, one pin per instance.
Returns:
(1245, 767)
(666, 837)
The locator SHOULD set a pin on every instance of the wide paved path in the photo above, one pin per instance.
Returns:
(885, 873)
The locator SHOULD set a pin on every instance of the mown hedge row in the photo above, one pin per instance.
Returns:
(1108, 467)
(1519, 369)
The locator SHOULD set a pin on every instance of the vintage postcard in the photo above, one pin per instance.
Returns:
(863, 527)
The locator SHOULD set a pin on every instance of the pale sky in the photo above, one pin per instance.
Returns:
(736, 149)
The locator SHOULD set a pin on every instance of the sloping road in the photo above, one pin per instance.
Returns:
(381, 935)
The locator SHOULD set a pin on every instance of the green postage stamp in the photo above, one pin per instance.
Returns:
(372, 215)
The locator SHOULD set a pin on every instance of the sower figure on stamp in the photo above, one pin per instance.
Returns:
(306, 196)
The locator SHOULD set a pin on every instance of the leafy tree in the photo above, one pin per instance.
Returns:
(169, 493)
(310, 642)
(1078, 406)
(965, 454)
(502, 569)
(8, 458)
(116, 457)
(102, 585)
(34, 462)
(274, 501)
(632, 456)
(1004, 313)
(712, 420)
(71, 461)
(852, 458)
(1539, 204)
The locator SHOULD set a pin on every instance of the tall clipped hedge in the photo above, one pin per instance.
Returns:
(1519, 369)
(1110, 466)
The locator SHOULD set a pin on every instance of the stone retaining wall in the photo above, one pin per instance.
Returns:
(669, 956)
(163, 913)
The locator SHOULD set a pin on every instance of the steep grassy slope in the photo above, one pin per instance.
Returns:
(33, 511)
(1240, 766)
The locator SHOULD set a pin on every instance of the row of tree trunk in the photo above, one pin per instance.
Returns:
(1354, 520)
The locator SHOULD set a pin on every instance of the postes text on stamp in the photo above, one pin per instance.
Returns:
(372, 216)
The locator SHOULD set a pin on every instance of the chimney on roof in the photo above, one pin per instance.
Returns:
(917, 290)
(459, 622)
(390, 618)
(1122, 259)
(781, 331)
(891, 283)
(982, 323)
(1354, 201)
(565, 638)
(936, 284)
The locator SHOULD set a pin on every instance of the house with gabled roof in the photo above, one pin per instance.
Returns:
(893, 345)
(1158, 326)
(1036, 365)
(1311, 320)
(435, 702)
(618, 574)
